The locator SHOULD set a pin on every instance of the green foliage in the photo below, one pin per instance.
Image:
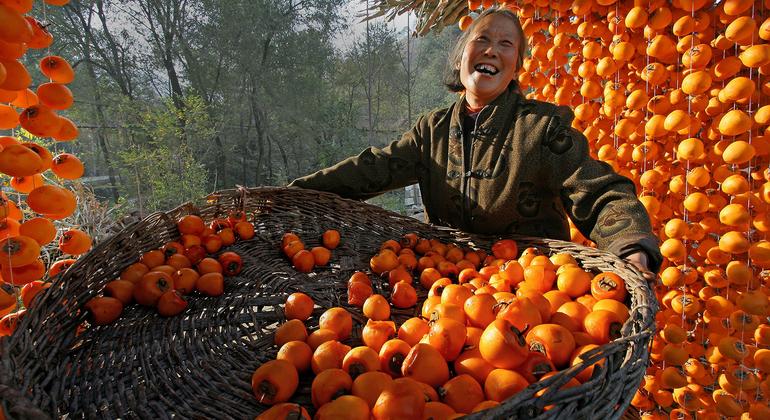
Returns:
(162, 171)
(267, 94)
(162, 179)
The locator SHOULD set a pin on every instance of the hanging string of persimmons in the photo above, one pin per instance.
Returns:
(673, 94)
(32, 246)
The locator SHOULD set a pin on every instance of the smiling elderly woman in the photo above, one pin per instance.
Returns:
(495, 162)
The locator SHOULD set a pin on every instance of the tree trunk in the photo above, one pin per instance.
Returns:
(269, 180)
(258, 117)
(102, 122)
(285, 161)
(163, 21)
(370, 134)
(221, 161)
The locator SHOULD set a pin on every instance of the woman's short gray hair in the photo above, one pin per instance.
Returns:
(452, 74)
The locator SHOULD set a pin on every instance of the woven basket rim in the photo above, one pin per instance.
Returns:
(20, 343)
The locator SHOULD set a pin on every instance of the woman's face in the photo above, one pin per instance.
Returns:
(489, 59)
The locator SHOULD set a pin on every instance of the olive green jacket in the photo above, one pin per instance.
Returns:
(528, 170)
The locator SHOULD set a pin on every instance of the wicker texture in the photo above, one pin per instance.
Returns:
(199, 364)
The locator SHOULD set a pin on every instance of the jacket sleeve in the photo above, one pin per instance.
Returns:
(601, 203)
(374, 171)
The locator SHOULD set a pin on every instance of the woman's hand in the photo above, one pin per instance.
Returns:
(639, 259)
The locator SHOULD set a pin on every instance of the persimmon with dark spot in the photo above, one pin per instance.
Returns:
(553, 340)
(392, 355)
(151, 287)
(74, 242)
(360, 360)
(503, 345)
(18, 251)
(18, 160)
(218, 224)
(603, 326)
(40, 120)
(274, 382)
(232, 264)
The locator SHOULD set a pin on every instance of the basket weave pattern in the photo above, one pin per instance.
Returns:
(199, 364)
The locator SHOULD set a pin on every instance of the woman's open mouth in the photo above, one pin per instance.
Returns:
(486, 69)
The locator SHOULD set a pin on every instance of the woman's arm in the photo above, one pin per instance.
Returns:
(601, 203)
(374, 170)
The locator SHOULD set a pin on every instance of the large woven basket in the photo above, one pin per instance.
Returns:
(199, 364)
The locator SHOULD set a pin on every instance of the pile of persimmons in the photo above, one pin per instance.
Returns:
(499, 322)
(304, 260)
(163, 277)
(674, 95)
(36, 177)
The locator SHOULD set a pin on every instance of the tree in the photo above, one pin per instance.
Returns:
(178, 98)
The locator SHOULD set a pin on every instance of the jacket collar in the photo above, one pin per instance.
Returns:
(493, 117)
